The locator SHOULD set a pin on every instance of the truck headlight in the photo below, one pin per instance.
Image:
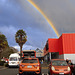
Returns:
(52, 68)
(68, 68)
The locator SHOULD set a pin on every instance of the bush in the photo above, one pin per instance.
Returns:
(2, 63)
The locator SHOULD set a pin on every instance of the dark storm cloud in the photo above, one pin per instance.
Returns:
(9, 32)
(60, 12)
(39, 37)
(19, 14)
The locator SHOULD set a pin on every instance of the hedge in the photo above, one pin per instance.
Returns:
(2, 63)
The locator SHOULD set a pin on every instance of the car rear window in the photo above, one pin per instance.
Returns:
(59, 63)
(30, 61)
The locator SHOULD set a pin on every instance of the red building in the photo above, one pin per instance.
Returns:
(63, 47)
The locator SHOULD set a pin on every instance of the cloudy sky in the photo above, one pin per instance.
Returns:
(20, 14)
(60, 12)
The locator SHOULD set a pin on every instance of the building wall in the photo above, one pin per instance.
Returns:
(68, 43)
(65, 45)
(69, 56)
(45, 58)
(60, 45)
(46, 51)
(40, 53)
(53, 45)
(56, 45)
(61, 56)
(55, 55)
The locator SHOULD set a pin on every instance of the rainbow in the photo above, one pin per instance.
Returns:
(50, 23)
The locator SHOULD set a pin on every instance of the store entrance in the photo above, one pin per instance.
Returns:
(54, 55)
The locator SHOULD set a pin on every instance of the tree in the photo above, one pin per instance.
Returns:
(7, 51)
(3, 43)
(20, 38)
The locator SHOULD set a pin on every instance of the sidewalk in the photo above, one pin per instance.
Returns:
(2, 67)
(44, 65)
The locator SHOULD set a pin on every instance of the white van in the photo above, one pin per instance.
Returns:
(14, 60)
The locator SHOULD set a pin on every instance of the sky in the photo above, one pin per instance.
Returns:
(20, 14)
(60, 12)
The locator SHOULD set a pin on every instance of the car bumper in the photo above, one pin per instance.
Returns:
(34, 71)
(62, 73)
(13, 65)
(30, 72)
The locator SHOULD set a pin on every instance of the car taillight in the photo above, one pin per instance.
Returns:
(22, 65)
(36, 65)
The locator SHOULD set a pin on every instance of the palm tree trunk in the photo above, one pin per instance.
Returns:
(21, 46)
(20, 51)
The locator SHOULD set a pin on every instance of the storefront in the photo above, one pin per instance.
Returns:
(62, 48)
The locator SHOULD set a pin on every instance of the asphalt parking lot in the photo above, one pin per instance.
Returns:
(15, 71)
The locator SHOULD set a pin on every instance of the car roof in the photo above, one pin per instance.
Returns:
(14, 55)
(30, 58)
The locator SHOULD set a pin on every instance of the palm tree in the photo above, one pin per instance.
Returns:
(20, 38)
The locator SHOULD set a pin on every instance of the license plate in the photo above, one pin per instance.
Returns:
(61, 73)
(29, 66)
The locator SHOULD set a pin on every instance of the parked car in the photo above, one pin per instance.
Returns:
(14, 60)
(59, 67)
(5, 59)
(30, 65)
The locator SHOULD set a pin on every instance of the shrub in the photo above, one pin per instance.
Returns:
(2, 63)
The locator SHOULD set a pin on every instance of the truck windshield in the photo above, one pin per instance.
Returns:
(13, 59)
